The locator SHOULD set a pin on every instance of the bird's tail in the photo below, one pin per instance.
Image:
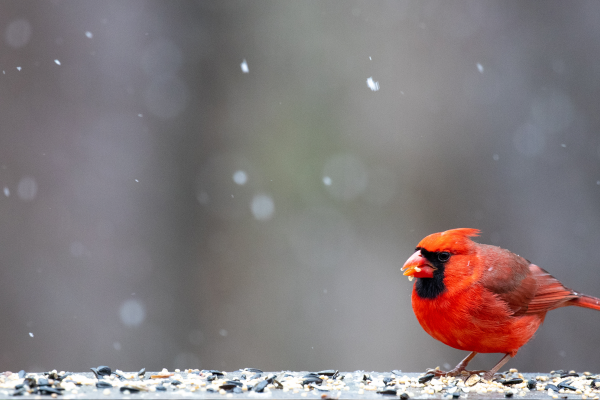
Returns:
(585, 301)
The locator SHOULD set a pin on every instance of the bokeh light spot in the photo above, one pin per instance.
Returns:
(132, 312)
(262, 207)
(240, 177)
(27, 188)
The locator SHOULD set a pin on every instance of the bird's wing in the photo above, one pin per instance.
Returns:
(525, 287)
(550, 293)
(508, 277)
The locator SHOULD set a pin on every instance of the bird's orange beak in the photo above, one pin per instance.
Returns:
(417, 266)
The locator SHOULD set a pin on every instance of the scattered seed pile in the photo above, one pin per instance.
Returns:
(327, 384)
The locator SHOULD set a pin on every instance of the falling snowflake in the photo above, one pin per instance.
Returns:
(373, 85)
(244, 66)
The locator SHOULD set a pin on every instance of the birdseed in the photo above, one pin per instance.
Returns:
(325, 384)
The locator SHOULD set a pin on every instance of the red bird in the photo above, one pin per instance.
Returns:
(482, 298)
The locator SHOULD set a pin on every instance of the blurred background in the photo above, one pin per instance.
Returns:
(230, 184)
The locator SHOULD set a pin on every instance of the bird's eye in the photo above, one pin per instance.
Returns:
(444, 256)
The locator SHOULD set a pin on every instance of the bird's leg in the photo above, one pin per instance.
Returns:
(458, 370)
(489, 375)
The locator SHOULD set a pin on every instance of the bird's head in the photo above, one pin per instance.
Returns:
(433, 254)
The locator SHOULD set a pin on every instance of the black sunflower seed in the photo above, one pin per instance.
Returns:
(426, 378)
(213, 371)
(234, 383)
(255, 370)
(551, 386)
(404, 396)
(531, 384)
(227, 388)
(103, 384)
(237, 390)
(131, 389)
(512, 381)
(63, 376)
(142, 372)
(596, 383)
(22, 374)
(387, 391)
(42, 382)
(30, 381)
(396, 372)
(566, 385)
(456, 395)
(256, 376)
(508, 394)
(49, 390)
(161, 387)
(211, 378)
(366, 378)
(51, 375)
(387, 380)
(312, 379)
(104, 370)
(327, 372)
(311, 374)
(260, 386)
(567, 374)
(175, 382)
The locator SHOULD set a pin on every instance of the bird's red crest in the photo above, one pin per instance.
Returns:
(456, 240)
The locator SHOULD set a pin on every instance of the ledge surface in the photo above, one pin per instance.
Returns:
(328, 384)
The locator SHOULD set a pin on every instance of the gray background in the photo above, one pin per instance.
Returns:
(125, 239)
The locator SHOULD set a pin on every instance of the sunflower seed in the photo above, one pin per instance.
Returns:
(327, 372)
(260, 386)
(255, 370)
(512, 381)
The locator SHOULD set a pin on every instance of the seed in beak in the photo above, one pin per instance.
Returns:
(417, 269)
(410, 278)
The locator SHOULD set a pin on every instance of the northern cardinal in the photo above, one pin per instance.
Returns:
(482, 298)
